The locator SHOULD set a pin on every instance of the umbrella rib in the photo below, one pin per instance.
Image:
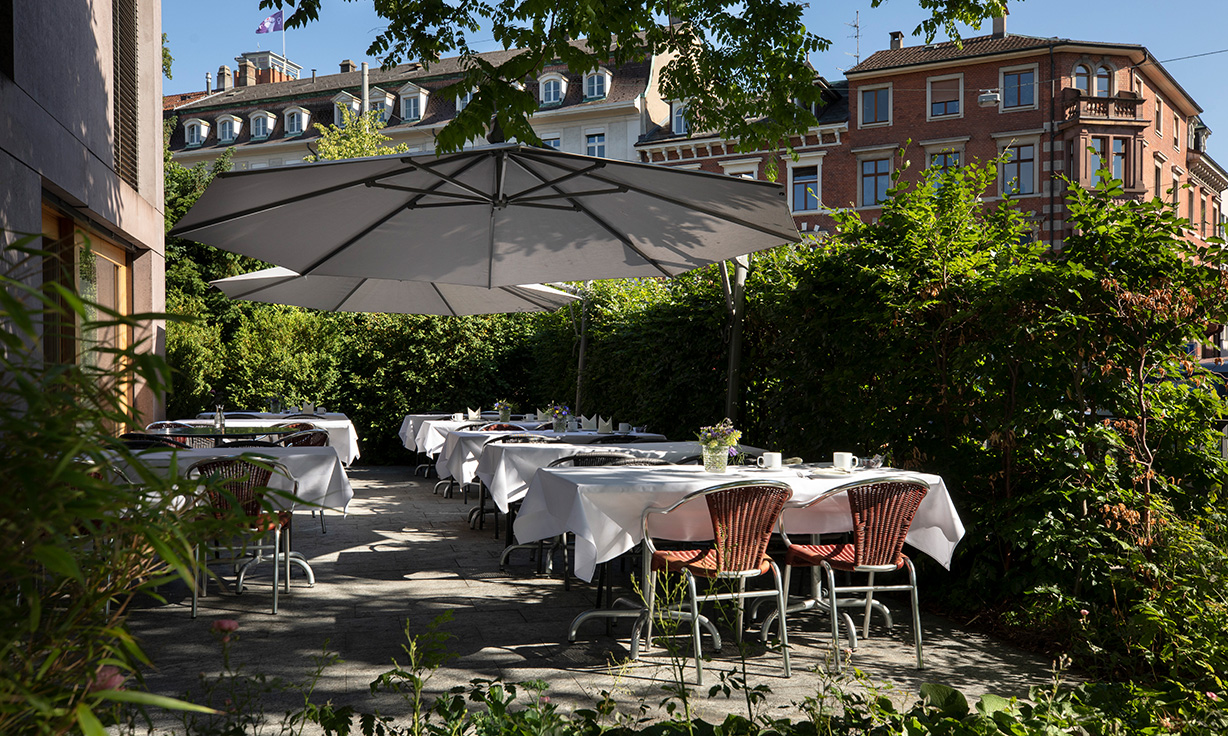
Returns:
(359, 236)
(180, 232)
(465, 199)
(351, 293)
(600, 221)
(543, 305)
(574, 173)
(453, 180)
(444, 299)
(545, 197)
(262, 287)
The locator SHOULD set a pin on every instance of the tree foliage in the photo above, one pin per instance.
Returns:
(358, 135)
(742, 67)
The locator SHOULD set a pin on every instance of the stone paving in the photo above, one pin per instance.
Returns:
(404, 556)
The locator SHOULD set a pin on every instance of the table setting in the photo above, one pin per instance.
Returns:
(342, 435)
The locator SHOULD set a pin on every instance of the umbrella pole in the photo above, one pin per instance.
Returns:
(583, 347)
(735, 305)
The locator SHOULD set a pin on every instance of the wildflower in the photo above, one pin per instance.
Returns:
(224, 626)
(545, 699)
(108, 677)
(1212, 696)
(1083, 612)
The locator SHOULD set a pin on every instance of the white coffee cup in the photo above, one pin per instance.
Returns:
(769, 460)
(624, 427)
(458, 417)
(846, 461)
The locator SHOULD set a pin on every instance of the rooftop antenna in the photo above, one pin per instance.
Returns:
(856, 26)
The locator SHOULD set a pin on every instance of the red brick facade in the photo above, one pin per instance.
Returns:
(995, 92)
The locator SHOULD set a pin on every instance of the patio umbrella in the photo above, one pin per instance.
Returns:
(352, 294)
(493, 216)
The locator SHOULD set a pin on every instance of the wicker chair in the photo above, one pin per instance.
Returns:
(501, 427)
(189, 440)
(244, 483)
(883, 510)
(621, 439)
(307, 438)
(477, 515)
(141, 441)
(743, 516)
(251, 443)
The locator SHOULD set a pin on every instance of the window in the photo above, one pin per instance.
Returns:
(1102, 81)
(347, 101)
(192, 134)
(227, 128)
(1097, 160)
(296, 119)
(1159, 182)
(875, 181)
(943, 161)
(1202, 218)
(594, 86)
(552, 142)
(1083, 79)
(1176, 191)
(1019, 171)
(411, 108)
(875, 106)
(944, 96)
(1189, 210)
(260, 127)
(805, 188)
(463, 100)
(552, 92)
(1018, 88)
(1159, 116)
(679, 119)
(1177, 132)
(1119, 159)
(594, 144)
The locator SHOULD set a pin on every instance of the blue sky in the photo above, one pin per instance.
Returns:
(203, 37)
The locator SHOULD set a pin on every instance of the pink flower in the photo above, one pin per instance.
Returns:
(1083, 612)
(224, 626)
(108, 677)
(545, 698)
(1212, 696)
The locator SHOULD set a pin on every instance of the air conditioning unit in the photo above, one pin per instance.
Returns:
(989, 99)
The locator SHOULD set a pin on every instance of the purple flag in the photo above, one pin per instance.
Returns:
(271, 23)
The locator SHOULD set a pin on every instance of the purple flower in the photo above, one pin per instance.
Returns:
(108, 677)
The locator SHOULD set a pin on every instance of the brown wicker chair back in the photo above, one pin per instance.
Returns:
(190, 441)
(641, 461)
(743, 518)
(310, 438)
(882, 515)
(502, 427)
(243, 480)
(590, 459)
(524, 439)
(139, 441)
(297, 426)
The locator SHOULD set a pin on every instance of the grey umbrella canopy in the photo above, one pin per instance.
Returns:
(352, 294)
(493, 216)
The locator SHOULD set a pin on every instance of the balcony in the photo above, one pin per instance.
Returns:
(1082, 108)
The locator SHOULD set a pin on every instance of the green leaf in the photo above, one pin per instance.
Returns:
(158, 701)
(89, 723)
(949, 701)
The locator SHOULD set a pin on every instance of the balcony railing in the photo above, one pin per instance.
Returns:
(1104, 108)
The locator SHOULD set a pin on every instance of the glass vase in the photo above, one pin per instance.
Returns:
(560, 424)
(505, 414)
(716, 458)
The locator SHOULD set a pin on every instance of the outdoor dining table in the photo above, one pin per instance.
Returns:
(412, 424)
(342, 435)
(602, 506)
(219, 436)
(321, 477)
(507, 468)
(458, 459)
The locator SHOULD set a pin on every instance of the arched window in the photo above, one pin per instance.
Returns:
(1102, 81)
(679, 124)
(552, 92)
(1083, 79)
(594, 86)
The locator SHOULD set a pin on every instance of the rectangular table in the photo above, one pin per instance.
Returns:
(458, 458)
(507, 468)
(342, 435)
(602, 507)
(318, 470)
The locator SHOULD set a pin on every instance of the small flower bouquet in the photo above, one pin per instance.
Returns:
(504, 407)
(719, 442)
(559, 413)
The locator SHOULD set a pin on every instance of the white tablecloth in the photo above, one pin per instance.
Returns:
(320, 475)
(410, 426)
(461, 450)
(342, 436)
(602, 506)
(507, 468)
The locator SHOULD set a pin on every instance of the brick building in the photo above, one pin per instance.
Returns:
(1059, 106)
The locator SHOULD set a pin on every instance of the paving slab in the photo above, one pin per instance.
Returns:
(402, 556)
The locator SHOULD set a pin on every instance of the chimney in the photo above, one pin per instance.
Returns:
(313, 75)
(999, 24)
(348, 66)
(224, 80)
(208, 82)
(897, 40)
(247, 74)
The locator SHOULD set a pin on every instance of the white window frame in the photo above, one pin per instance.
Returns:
(1003, 71)
(938, 146)
(548, 137)
(677, 118)
(604, 141)
(378, 99)
(890, 105)
(462, 101)
(1159, 116)
(408, 92)
(1112, 81)
(344, 99)
(743, 168)
(270, 122)
(806, 160)
(929, 97)
(606, 78)
(304, 120)
(541, 88)
(236, 127)
(1005, 142)
(202, 132)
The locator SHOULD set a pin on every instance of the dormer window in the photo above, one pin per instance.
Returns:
(195, 131)
(678, 118)
(262, 124)
(463, 101)
(347, 101)
(228, 128)
(596, 84)
(552, 88)
(413, 102)
(297, 120)
(380, 102)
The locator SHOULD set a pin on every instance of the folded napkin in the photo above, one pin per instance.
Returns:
(605, 426)
(541, 415)
(588, 422)
(475, 414)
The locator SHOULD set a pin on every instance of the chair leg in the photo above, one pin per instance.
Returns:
(740, 602)
(865, 626)
(196, 564)
(834, 613)
(699, 659)
(276, 565)
(782, 601)
(916, 612)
